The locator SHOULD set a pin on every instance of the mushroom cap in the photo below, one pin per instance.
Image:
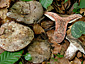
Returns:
(14, 36)
(39, 51)
(27, 12)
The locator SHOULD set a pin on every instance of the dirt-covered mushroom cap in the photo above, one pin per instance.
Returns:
(14, 36)
(26, 12)
(39, 51)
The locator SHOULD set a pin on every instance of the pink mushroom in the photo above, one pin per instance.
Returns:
(61, 24)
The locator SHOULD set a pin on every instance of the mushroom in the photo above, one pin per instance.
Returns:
(4, 3)
(26, 12)
(75, 45)
(39, 50)
(14, 36)
(61, 24)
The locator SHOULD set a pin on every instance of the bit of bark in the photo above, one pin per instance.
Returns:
(4, 3)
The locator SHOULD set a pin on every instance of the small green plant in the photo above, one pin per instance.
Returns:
(82, 62)
(46, 3)
(10, 57)
(59, 56)
(28, 57)
(78, 29)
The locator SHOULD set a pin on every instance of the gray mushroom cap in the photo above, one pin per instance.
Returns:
(39, 51)
(75, 45)
(14, 36)
(26, 12)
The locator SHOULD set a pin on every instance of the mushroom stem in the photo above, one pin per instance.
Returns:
(60, 25)
(70, 53)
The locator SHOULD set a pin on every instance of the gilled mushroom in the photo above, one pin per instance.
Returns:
(26, 12)
(39, 50)
(61, 24)
(14, 36)
(75, 45)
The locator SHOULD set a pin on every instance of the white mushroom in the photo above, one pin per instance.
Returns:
(75, 45)
(26, 12)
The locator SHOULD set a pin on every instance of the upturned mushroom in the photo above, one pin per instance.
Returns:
(26, 12)
(14, 36)
(75, 45)
(61, 24)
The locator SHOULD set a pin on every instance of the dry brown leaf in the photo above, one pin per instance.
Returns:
(4, 3)
(60, 61)
(79, 54)
(38, 29)
(76, 61)
(82, 11)
(57, 48)
(47, 24)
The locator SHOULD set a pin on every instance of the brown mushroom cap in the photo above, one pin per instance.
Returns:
(39, 51)
(14, 36)
(26, 12)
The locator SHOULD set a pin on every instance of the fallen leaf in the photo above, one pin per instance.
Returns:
(79, 54)
(4, 3)
(38, 29)
(47, 24)
(76, 61)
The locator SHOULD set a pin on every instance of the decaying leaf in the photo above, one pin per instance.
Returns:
(59, 61)
(47, 24)
(75, 61)
(79, 55)
(38, 29)
(4, 3)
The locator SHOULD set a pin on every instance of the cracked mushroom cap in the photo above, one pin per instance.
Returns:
(26, 12)
(14, 36)
(39, 50)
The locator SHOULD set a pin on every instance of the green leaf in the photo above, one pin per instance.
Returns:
(65, 1)
(82, 4)
(82, 62)
(25, 0)
(28, 57)
(59, 56)
(46, 3)
(75, 5)
(20, 62)
(78, 29)
(10, 57)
